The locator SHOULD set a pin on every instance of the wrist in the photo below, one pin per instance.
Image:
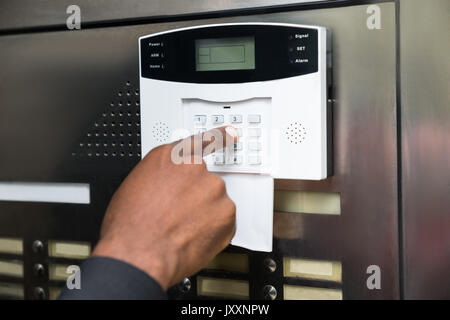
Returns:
(155, 264)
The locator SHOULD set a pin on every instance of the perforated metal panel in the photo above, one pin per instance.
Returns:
(116, 132)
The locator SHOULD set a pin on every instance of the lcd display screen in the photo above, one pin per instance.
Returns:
(225, 54)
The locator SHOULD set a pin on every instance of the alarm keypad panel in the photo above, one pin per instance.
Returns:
(269, 81)
(251, 118)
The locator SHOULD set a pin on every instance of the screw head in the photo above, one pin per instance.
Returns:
(269, 292)
(38, 246)
(270, 265)
(39, 293)
(38, 270)
(185, 285)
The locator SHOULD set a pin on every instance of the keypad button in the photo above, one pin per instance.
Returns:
(254, 118)
(236, 118)
(254, 132)
(209, 159)
(233, 159)
(217, 119)
(237, 159)
(219, 158)
(199, 130)
(239, 132)
(200, 119)
(254, 159)
(254, 146)
(237, 146)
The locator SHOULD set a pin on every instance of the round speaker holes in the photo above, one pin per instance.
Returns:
(161, 132)
(295, 133)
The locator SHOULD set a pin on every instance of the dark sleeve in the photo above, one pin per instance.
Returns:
(110, 279)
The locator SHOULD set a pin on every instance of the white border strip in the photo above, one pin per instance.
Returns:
(45, 192)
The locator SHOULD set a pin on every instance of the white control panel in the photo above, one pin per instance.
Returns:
(268, 80)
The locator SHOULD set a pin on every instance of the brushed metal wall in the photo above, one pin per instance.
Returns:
(425, 140)
(64, 80)
(50, 13)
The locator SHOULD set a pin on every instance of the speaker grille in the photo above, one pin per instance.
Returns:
(116, 133)
(161, 132)
(295, 133)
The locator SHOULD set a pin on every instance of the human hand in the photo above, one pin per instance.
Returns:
(169, 219)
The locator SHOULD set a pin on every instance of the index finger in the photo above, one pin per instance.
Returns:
(218, 138)
(205, 143)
